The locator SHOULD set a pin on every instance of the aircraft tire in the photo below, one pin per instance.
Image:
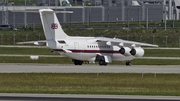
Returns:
(77, 62)
(102, 63)
(80, 62)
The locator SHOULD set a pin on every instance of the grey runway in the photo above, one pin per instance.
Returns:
(81, 97)
(91, 68)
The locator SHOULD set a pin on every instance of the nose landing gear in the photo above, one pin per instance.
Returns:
(128, 63)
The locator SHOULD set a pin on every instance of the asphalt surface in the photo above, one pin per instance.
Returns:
(90, 68)
(74, 97)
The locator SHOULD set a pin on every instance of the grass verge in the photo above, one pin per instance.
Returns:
(161, 53)
(47, 51)
(119, 84)
(66, 60)
(26, 59)
(25, 51)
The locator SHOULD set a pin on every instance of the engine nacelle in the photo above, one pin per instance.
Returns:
(137, 52)
(125, 51)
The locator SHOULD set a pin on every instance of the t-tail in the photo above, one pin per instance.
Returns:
(51, 26)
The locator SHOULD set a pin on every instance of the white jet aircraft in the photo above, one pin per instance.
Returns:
(92, 49)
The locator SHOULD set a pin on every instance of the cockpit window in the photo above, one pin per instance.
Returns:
(62, 42)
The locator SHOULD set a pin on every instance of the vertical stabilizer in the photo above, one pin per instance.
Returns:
(51, 25)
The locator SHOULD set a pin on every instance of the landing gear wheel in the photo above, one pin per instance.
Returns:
(77, 62)
(128, 63)
(102, 63)
(80, 62)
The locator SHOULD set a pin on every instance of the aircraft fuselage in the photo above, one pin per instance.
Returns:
(81, 48)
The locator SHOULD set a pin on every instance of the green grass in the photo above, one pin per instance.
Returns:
(119, 84)
(155, 62)
(47, 51)
(66, 60)
(26, 51)
(46, 60)
(162, 53)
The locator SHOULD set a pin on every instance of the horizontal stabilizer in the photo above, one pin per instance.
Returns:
(38, 43)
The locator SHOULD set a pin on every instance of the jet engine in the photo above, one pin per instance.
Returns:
(137, 52)
(125, 51)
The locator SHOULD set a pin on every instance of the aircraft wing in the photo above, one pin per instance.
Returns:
(120, 42)
(41, 42)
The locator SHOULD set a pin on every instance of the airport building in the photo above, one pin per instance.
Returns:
(93, 11)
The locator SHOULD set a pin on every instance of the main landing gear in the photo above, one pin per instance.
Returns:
(77, 62)
(102, 63)
(101, 60)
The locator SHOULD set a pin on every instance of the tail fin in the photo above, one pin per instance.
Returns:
(51, 25)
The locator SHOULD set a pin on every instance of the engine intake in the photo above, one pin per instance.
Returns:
(125, 51)
(133, 51)
(137, 52)
(122, 51)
